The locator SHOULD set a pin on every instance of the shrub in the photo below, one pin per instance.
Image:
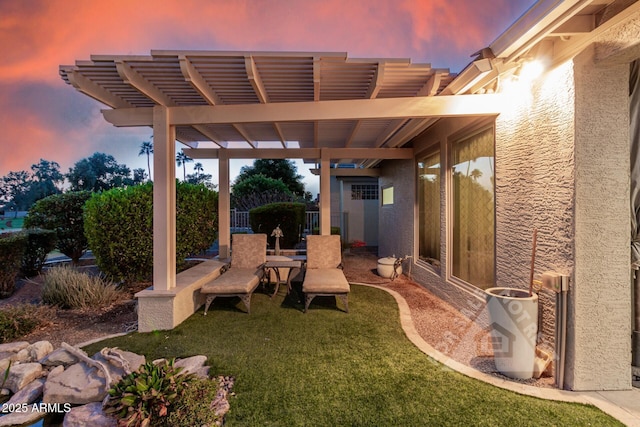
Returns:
(62, 213)
(146, 396)
(66, 287)
(334, 230)
(18, 321)
(195, 406)
(39, 244)
(289, 216)
(12, 246)
(119, 227)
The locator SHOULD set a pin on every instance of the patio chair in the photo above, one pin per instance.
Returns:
(248, 255)
(324, 276)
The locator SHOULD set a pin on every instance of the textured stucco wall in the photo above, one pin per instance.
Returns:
(534, 186)
(600, 299)
(534, 179)
(395, 229)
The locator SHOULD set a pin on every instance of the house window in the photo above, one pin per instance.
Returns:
(429, 208)
(473, 209)
(364, 192)
(387, 196)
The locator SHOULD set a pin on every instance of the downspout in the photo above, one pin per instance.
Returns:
(634, 133)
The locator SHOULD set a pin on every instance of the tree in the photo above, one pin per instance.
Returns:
(15, 190)
(64, 214)
(45, 179)
(182, 160)
(19, 190)
(198, 168)
(146, 148)
(139, 176)
(279, 169)
(97, 173)
(199, 177)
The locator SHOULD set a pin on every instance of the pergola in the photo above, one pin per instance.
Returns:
(321, 107)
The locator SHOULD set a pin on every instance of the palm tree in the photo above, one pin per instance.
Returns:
(182, 160)
(198, 168)
(147, 148)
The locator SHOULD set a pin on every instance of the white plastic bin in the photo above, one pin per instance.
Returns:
(513, 317)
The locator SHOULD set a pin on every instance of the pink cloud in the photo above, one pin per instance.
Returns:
(50, 120)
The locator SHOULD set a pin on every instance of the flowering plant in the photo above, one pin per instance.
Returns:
(358, 244)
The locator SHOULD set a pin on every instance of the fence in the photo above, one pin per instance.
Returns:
(240, 221)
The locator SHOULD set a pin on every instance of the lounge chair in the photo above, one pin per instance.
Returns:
(324, 276)
(248, 255)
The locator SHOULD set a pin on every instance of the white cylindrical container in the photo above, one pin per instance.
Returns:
(513, 317)
(385, 267)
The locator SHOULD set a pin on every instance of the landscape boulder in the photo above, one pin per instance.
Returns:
(78, 384)
(22, 374)
(90, 414)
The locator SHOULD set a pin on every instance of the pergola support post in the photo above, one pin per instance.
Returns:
(224, 206)
(164, 201)
(325, 193)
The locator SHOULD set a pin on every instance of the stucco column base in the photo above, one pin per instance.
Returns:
(163, 310)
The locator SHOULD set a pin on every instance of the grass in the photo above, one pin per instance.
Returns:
(327, 367)
(66, 287)
(11, 223)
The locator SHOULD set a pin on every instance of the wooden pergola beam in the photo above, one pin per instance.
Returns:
(356, 109)
(301, 153)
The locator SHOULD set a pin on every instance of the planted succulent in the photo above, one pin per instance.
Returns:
(147, 395)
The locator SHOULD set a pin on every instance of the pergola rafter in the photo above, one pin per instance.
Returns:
(333, 108)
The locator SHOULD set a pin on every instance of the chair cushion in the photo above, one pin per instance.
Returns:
(323, 251)
(248, 250)
(325, 280)
(233, 281)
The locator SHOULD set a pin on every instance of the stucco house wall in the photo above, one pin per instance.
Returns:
(562, 166)
(397, 219)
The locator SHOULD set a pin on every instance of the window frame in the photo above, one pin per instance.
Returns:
(432, 150)
(452, 139)
(382, 194)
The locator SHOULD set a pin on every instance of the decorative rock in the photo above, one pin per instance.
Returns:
(4, 364)
(21, 357)
(131, 362)
(21, 418)
(190, 364)
(6, 354)
(56, 371)
(22, 374)
(77, 385)
(29, 394)
(88, 415)
(202, 372)
(39, 350)
(13, 347)
(59, 357)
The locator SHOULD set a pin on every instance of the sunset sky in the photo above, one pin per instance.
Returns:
(42, 117)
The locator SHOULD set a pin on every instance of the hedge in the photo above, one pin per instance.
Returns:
(12, 246)
(62, 213)
(119, 228)
(39, 244)
(289, 216)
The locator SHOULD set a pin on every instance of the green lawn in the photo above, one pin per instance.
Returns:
(329, 368)
(11, 223)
